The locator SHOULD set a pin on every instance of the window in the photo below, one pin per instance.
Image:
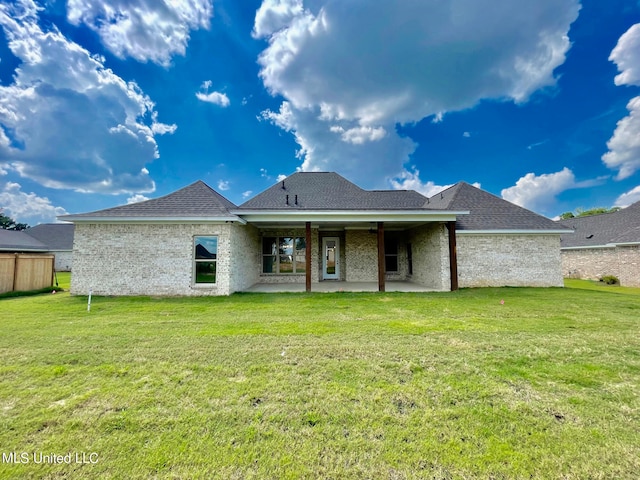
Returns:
(205, 255)
(284, 255)
(390, 254)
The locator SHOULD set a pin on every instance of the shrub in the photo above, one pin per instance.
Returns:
(610, 280)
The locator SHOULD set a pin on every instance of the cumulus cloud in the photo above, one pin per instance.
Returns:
(628, 198)
(144, 30)
(223, 185)
(624, 145)
(59, 90)
(27, 207)
(410, 180)
(625, 56)
(247, 194)
(343, 67)
(137, 198)
(217, 98)
(538, 192)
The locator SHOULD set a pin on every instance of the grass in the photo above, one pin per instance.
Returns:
(344, 385)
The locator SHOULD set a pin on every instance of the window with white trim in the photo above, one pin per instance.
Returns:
(205, 258)
(284, 255)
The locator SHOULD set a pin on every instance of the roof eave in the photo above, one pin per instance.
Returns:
(186, 219)
(348, 215)
(513, 232)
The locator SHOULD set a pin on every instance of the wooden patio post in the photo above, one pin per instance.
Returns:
(453, 255)
(381, 285)
(307, 255)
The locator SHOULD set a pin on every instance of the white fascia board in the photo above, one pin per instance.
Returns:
(85, 219)
(589, 247)
(348, 216)
(512, 232)
(608, 245)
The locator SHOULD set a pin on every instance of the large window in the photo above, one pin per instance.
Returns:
(205, 256)
(284, 255)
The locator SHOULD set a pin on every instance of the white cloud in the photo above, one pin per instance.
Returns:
(59, 90)
(27, 207)
(625, 56)
(410, 180)
(223, 185)
(341, 67)
(281, 177)
(466, 134)
(624, 145)
(538, 192)
(137, 198)
(216, 98)
(247, 194)
(142, 29)
(627, 198)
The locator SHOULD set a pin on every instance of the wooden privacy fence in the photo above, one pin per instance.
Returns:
(23, 272)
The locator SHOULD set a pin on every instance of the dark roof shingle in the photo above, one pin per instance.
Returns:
(622, 226)
(330, 191)
(487, 211)
(56, 236)
(197, 200)
(12, 241)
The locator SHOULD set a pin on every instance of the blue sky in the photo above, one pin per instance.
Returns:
(104, 102)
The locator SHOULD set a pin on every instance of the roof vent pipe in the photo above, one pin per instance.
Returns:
(296, 199)
(287, 200)
(283, 185)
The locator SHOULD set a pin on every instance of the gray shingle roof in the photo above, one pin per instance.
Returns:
(487, 211)
(12, 241)
(330, 191)
(197, 200)
(56, 236)
(622, 226)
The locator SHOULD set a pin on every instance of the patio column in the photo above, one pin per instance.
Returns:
(381, 286)
(307, 255)
(453, 255)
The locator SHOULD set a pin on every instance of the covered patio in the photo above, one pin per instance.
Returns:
(337, 286)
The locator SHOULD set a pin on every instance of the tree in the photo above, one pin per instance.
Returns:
(8, 223)
(581, 212)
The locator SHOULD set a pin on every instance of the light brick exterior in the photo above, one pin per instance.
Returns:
(430, 248)
(486, 260)
(155, 259)
(361, 260)
(64, 260)
(622, 261)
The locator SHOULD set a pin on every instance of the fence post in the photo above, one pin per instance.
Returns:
(15, 272)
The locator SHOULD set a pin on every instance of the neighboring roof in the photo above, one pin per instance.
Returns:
(622, 226)
(56, 236)
(12, 241)
(488, 212)
(196, 201)
(330, 191)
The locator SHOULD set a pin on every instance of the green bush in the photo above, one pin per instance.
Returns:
(610, 280)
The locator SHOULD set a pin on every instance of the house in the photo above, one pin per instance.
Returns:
(606, 244)
(312, 227)
(58, 237)
(24, 264)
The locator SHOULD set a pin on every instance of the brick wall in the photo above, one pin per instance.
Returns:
(64, 261)
(361, 260)
(430, 248)
(509, 260)
(593, 263)
(145, 259)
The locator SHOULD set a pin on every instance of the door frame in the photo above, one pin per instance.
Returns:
(336, 274)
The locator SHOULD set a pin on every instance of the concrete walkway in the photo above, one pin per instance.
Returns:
(333, 286)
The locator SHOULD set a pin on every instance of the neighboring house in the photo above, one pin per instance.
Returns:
(12, 241)
(24, 264)
(58, 237)
(606, 244)
(312, 227)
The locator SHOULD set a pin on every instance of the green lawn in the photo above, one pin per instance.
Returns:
(480, 383)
